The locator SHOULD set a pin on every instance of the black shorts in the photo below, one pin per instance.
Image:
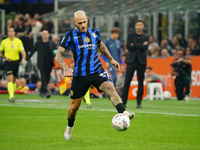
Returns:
(11, 67)
(80, 85)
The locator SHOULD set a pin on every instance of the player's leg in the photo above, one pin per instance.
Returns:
(10, 78)
(128, 77)
(9, 75)
(14, 84)
(140, 75)
(79, 88)
(72, 110)
(87, 98)
(109, 89)
(179, 89)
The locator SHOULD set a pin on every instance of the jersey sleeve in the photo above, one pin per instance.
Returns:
(98, 36)
(21, 46)
(65, 40)
(2, 46)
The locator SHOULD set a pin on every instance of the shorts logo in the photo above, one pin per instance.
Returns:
(71, 93)
(9, 72)
(87, 40)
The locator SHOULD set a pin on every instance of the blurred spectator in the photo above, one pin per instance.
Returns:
(152, 50)
(188, 51)
(16, 23)
(193, 44)
(176, 42)
(165, 44)
(56, 40)
(20, 28)
(36, 16)
(3, 85)
(153, 77)
(54, 90)
(36, 27)
(21, 86)
(156, 53)
(120, 81)
(114, 47)
(183, 42)
(38, 87)
(164, 52)
(152, 41)
(45, 60)
(27, 24)
(174, 52)
(181, 69)
(8, 25)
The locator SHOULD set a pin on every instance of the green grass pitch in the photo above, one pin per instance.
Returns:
(35, 123)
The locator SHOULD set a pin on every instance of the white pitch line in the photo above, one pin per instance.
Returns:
(111, 110)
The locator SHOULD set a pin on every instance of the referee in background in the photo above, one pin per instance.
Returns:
(137, 44)
(10, 48)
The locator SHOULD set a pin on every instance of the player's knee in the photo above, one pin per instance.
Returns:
(74, 107)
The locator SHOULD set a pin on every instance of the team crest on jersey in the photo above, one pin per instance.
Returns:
(94, 34)
(12, 46)
(87, 39)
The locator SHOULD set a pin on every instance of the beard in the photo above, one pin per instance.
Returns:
(82, 29)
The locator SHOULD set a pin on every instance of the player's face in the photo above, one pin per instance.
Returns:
(81, 23)
(45, 35)
(139, 26)
(115, 35)
(148, 72)
(180, 53)
(11, 32)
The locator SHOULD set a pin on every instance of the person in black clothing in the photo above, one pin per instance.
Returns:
(45, 60)
(181, 68)
(137, 44)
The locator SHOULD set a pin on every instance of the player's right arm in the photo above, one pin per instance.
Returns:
(67, 71)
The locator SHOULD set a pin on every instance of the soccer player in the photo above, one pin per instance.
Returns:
(84, 42)
(11, 47)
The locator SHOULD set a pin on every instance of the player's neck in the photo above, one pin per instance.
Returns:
(11, 38)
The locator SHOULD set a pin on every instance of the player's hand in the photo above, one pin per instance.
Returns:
(68, 72)
(145, 43)
(115, 64)
(23, 62)
(178, 60)
(7, 59)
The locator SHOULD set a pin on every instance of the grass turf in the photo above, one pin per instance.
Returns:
(38, 123)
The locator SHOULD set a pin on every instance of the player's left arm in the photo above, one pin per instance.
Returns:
(23, 57)
(103, 49)
(147, 80)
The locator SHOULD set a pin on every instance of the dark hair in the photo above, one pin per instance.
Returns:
(149, 67)
(179, 48)
(140, 21)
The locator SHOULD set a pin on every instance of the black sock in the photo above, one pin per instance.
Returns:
(120, 108)
(71, 122)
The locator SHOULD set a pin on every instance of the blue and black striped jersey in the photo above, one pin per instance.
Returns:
(84, 49)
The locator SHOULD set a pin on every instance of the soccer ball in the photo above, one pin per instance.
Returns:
(120, 122)
(167, 95)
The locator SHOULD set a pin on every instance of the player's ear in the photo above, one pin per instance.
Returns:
(74, 22)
